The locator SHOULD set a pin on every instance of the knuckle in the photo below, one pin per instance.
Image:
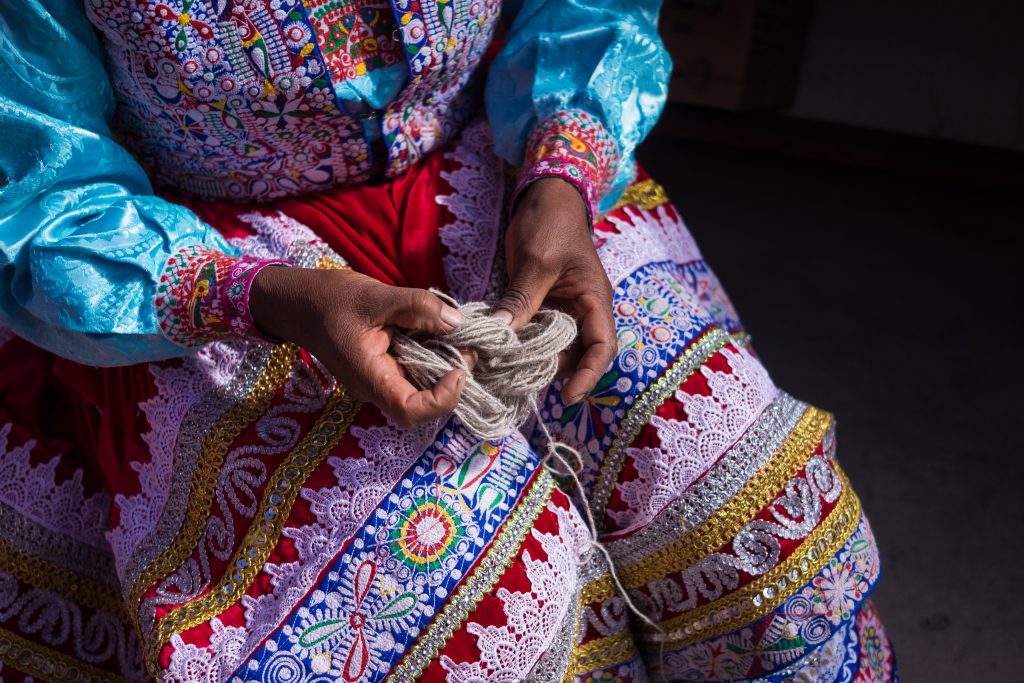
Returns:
(515, 300)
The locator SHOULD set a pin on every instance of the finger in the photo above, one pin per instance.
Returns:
(597, 332)
(408, 406)
(569, 359)
(524, 295)
(418, 309)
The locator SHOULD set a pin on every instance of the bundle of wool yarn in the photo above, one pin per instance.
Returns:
(511, 370)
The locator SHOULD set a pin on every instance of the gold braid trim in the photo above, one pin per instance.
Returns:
(211, 458)
(29, 569)
(504, 548)
(265, 530)
(645, 194)
(728, 520)
(601, 653)
(597, 590)
(765, 594)
(49, 665)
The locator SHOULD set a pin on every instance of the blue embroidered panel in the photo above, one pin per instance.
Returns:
(402, 565)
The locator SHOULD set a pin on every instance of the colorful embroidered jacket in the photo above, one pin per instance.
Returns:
(258, 99)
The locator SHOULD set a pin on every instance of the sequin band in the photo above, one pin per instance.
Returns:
(203, 296)
(726, 522)
(767, 592)
(601, 653)
(574, 146)
(49, 665)
(40, 574)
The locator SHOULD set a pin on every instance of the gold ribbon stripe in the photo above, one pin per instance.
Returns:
(721, 527)
(211, 458)
(765, 594)
(46, 664)
(646, 194)
(265, 529)
(39, 573)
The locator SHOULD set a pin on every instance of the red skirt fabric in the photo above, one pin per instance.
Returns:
(234, 515)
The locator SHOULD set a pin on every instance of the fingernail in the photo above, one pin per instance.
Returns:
(504, 315)
(452, 316)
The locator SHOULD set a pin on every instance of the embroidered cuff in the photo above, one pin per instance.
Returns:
(574, 146)
(203, 295)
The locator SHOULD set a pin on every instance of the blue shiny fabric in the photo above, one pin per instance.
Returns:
(82, 237)
(601, 56)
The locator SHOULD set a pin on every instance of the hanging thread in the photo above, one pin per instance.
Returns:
(502, 389)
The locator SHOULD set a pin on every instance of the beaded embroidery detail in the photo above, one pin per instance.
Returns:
(203, 295)
(356, 36)
(574, 146)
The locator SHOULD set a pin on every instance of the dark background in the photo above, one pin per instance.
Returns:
(870, 234)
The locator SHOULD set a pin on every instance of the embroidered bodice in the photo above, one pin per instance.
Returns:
(259, 99)
(250, 100)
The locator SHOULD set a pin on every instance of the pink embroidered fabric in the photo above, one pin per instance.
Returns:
(203, 296)
(576, 147)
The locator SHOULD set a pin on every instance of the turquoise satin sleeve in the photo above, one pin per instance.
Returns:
(82, 238)
(600, 56)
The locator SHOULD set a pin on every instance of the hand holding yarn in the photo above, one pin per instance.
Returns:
(511, 370)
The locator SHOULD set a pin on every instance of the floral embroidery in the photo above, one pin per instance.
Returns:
(356, 36)
(574, 146)
(216, 97)
(203, 295)
(840, 588)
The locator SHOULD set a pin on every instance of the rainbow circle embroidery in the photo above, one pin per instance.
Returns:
(427, 534)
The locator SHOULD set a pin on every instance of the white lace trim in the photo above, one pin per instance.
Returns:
(191, 664)
(33, 491)
(476, 202)
(647, 236)
(275, 235)
(508, 653)
(178, 389)
(713, 423)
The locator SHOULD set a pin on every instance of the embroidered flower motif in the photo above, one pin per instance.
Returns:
(841, 588)
(203, 295)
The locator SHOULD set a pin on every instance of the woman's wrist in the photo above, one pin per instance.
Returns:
(278, 301)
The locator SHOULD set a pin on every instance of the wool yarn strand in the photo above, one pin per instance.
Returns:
(511, 370)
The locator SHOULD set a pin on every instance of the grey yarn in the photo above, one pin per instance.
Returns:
(512, 367)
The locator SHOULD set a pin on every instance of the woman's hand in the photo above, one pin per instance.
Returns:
(346, 319)
(551, 258)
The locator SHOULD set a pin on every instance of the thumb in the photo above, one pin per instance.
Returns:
(524, 296)
(418, 309)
